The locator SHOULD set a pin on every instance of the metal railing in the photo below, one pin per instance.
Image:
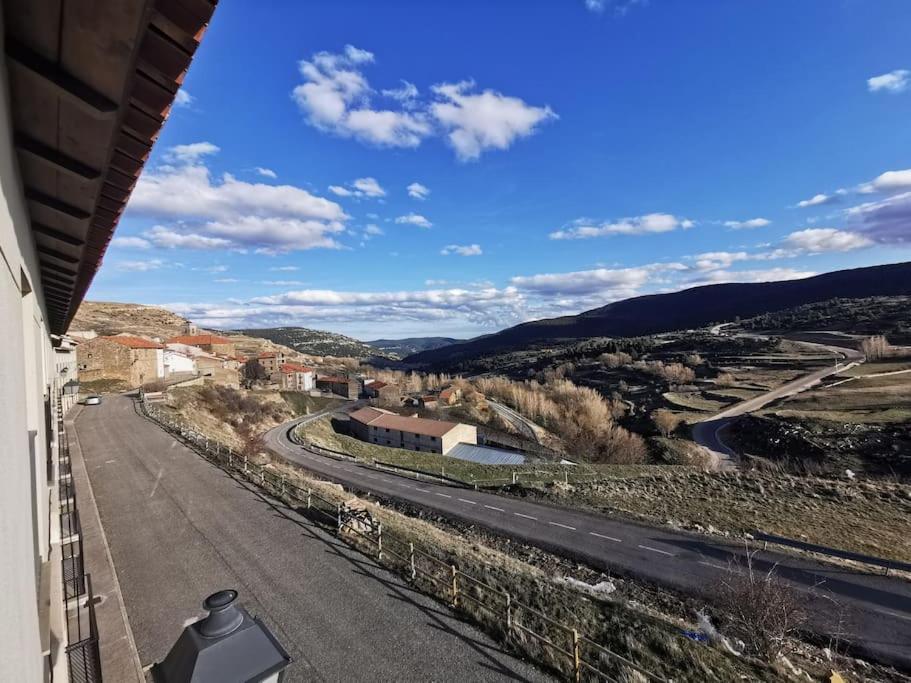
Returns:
(82, 648)
(576, 655)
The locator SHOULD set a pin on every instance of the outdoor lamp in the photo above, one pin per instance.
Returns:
(227, 645)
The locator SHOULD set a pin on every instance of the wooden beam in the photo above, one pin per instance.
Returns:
(57, 205)
(65, 82)
(53, 253)
(54, 277)
(60, 269)
(58, 235)
(55, 158)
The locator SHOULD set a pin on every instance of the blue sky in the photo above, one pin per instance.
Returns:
(412, 168)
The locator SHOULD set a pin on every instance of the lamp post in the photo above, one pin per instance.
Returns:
(226, 645)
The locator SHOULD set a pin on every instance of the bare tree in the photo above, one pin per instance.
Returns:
(761, 610)
(665, 421)
(875, 348)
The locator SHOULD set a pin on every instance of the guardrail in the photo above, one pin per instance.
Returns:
(486, 604)
(833, 552)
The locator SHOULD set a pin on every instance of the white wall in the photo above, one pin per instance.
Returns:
(177, 362)
(23, 371)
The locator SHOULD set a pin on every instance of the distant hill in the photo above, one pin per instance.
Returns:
(689, 308)
(405, 347)
(318, 342)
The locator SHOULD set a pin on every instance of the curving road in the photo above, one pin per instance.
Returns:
(523, 425)
(876, 610)
(709, 432)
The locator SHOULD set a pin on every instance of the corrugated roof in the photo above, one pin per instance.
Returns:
(485, 454)
(416, 425)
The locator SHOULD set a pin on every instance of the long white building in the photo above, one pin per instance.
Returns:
(84, 90)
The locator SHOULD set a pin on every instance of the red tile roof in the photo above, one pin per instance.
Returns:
(199, 339)
(267, 355)
(293, 367)
(416, 425)
(333, 379)
(134, 342)
(376, 384)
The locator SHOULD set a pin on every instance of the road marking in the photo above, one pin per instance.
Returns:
(519, 514)
(609, 538)
(656, 550)
(564, 526)
(491, 507)
(716, 566)
(422, 490)
(444, 495)
(470, 502)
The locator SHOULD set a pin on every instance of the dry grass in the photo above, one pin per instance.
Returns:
(864, 517)
(694, 400)
(872, 368)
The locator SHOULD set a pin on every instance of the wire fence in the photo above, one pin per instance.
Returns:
(574, 654)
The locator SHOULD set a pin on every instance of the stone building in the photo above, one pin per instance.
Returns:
(132, 360)
(384, 428)
(296, 377)
(272, 362)
(346, 387)
(207, 342)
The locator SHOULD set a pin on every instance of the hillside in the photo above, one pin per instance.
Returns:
(405, 347)
(686, 309)
(317, 342)
(109, 317)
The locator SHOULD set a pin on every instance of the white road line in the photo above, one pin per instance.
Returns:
(444, 495)
(470, 502)
(423, 490)
(656, 550)
(716, 566)
(609, 538)
(519, 514)
(491, 507)
(564, 526)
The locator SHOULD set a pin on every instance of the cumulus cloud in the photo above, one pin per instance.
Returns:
(182, 98)
(487, 120)
(362, 187)
(140, 266)
(462, 250)
(584, 228)
(414, 219)
(818, 240)
(230, 213)
(266, 172)
(613, 281)
(817, 200)
(191, 152)
(336, 97)
(892, 82)
(284, 269)
(373, 230)
(130, 243)
(748, 224)
(890, 181)
(713, 260)
(418, 191)
(620, 7)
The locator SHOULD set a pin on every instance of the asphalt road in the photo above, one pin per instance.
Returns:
(522, 424)
(709, 433)
(871, 611)
(180, 529)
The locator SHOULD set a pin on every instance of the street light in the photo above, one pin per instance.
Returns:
(227, 645)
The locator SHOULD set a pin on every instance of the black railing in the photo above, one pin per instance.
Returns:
(82, 650)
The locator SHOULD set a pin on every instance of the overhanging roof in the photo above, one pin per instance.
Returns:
(91, 84)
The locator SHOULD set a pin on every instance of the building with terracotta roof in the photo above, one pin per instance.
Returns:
(347, 387)
(296, 377)
(272, 362)
(450, 396)
(377, 389)
(212, 343)
(129, 359)
(385, 428)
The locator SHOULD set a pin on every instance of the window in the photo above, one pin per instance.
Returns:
(433, 438)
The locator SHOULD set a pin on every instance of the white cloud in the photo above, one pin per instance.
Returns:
(373, 230)
(362, 187)
(141, 266)
(418, 191)
(232, 213)
(130, 242)
(817, 200)
(615, 282)
(266, 172)
(890, 181)
(817, 240)
(886, 221)
(414, 219)
(462, 250)
(487, 120)
(191, 152)
(767, 275)
(639, 225)
(748, 224)
(893, 82)
(336, 97)
(621, 7)
(282, 283)
(284, 269)
(182, 98)
(226, 280)
(713, 260)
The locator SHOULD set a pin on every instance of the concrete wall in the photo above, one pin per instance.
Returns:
(25, 372)
(175, 362)
(461, 433)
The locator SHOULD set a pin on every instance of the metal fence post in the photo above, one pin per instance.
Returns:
(455, 585)
(414, 572)
(508, 613)
(283, 485)
(262, 476)
(309, 493)
(577, 657)
(515, 476)
(338, 515)
(245, 464)
(379, 542)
